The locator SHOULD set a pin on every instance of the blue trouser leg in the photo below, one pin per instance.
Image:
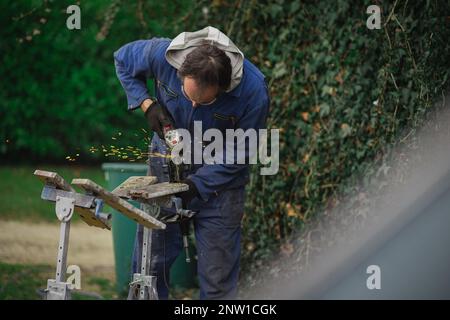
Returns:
(218, 234)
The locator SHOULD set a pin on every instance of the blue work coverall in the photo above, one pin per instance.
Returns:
(220, 204)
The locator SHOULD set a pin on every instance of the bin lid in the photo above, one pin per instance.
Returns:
(124, 167)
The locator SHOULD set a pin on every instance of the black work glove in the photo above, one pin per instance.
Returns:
(158, 117)
(188, 195)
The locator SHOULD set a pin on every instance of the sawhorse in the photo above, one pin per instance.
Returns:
(89, 206)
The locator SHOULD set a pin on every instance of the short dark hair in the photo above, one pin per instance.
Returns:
(208, 66)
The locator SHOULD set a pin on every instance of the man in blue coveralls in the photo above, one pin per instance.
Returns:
(199, 76)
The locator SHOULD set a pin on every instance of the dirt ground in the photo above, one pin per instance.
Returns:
(36, 243)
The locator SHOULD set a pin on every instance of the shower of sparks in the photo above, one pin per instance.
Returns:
(126, 153)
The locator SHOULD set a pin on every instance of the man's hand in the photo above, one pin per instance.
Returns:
(157, 116)
(188, 195)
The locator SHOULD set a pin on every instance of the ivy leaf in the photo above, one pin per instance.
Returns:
(275, 9)
(345, 131)
(295, 6)
(324, 109)
(279, 70)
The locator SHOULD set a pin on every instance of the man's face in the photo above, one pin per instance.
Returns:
(197, 95)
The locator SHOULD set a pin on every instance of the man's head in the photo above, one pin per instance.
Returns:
(205, 73)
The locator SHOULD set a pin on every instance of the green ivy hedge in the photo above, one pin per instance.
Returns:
(340, 93)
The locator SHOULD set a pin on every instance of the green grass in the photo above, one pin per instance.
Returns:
(105, 286)
(20, 190)
(22, 282)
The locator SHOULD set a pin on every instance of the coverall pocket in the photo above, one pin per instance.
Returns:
(223, 122)
(167, 96)
(166, 90)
